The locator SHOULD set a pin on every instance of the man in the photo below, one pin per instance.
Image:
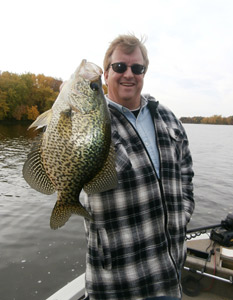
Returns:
(136, 241)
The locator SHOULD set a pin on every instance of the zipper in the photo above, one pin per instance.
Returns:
(165, 207)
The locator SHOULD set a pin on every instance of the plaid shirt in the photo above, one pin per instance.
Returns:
(136, 243)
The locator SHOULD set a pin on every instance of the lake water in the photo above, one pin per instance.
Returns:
(35, 261)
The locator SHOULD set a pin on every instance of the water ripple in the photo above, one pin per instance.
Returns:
(35, 261)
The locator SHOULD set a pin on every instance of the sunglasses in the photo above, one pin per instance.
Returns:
(121, 67)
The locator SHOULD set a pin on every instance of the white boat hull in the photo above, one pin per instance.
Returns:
(74, 290)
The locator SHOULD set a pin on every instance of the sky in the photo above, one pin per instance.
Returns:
(189, 43)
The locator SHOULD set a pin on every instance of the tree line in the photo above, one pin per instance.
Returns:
(216, 119)
(25, 96)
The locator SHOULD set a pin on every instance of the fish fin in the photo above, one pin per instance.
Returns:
(42, 120)
(62, 211)
(34, 172)
(106, 179)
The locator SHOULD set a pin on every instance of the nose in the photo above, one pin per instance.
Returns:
(128, 72)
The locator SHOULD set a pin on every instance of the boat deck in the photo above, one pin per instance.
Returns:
(210, 289)
(209, 257)
(203, 257)
(206, 296)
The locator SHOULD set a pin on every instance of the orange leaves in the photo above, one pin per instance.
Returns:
(25, 96)
(32, 113)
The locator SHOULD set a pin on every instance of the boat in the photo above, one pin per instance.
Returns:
(208, 269)
(74, 290)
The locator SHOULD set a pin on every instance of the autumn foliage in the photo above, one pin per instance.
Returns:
(216, 119)
(24, 97)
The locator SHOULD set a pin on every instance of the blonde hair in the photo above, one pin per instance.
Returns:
(127, 43)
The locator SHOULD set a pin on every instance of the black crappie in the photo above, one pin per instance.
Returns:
(75, 150)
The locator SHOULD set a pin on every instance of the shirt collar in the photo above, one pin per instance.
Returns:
(122, 108)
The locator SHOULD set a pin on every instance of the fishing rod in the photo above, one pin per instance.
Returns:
(223, 233)
(226, 224)
(204, 228)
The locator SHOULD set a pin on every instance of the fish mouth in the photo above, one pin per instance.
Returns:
(89, 70)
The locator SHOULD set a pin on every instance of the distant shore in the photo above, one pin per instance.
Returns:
(215, 120)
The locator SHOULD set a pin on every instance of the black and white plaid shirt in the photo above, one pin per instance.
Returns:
(136, 243)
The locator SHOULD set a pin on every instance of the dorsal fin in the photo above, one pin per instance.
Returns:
(42, 120)
(106, 179)
(34, 172)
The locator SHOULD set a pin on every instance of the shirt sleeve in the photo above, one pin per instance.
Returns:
(187, 177)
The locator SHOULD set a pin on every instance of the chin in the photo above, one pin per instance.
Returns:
(127, 96)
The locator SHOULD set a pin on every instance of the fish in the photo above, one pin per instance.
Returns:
(75, 150)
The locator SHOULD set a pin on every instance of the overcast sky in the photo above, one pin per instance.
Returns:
(189, 42)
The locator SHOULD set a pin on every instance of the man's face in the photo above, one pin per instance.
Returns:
(125, 88)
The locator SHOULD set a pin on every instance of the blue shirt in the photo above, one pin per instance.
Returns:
(144, 125)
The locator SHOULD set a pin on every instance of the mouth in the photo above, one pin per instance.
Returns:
(127, 84)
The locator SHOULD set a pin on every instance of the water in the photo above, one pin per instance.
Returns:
(212, 151)
(35, 261)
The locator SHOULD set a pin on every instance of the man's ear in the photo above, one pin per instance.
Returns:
(106, 77)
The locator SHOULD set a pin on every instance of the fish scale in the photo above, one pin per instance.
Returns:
(75, 150)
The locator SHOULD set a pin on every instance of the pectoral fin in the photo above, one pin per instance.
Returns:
(106, 179)
(34, 172)
(42, 120)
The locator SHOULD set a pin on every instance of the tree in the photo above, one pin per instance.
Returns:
(230, 120)
(24, 96)
(4, 108)
(20, 112)
(32, 112)
(216, 119)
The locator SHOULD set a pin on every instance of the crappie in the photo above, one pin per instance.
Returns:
(74, 151)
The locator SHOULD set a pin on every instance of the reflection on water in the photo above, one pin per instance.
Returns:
(35, 261)
(11, 131)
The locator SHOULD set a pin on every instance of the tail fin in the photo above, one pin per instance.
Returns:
(63, 211)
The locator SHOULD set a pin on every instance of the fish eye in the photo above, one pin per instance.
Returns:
(94, 86)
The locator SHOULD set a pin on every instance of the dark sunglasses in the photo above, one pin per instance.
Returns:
(121, 67)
